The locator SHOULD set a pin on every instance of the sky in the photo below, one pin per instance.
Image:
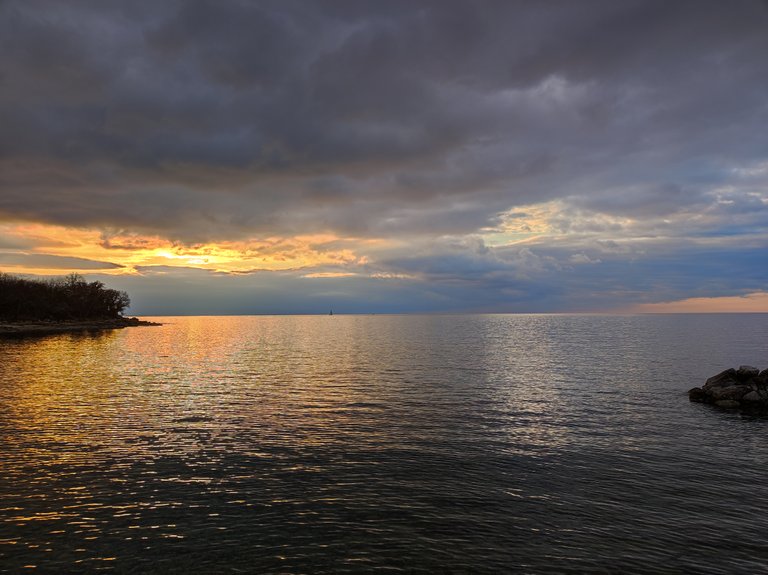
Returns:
(296, 156)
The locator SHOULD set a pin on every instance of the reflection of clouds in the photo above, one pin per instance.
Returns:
(201, 388)
(293, 382)
(208, 427)
(55, 394)
(558, 381)
(524, 379)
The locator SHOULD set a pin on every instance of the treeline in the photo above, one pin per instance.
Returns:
(67, 298)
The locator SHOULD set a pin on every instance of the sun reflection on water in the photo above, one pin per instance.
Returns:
(282, 442)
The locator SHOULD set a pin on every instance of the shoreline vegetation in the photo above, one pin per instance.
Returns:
(20, 329)
(61, 305)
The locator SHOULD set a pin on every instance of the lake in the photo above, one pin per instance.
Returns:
(364, 444)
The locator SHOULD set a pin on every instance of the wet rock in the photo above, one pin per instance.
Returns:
(724, 378)
(44, 328)
(732, 392)
(728, 404)
(746, 372)
(745, 387)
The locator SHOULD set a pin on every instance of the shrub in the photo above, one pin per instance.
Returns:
(65, 298)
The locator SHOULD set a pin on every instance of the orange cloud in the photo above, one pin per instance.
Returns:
(756, 302)
(133, 251)
(329, 275)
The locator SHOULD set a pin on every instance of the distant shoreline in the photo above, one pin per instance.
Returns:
(32, 328)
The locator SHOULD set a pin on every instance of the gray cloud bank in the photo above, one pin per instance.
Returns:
(410, 119)
(52, 262)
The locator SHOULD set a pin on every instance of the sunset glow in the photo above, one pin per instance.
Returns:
(341, 286)
(749, 303)
(123, 253)
(382, 159)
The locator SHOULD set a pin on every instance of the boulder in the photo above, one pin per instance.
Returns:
(731, 392)
(724, 378)
(752, 397)
(746, 387)
(746, 372)
(728, 404)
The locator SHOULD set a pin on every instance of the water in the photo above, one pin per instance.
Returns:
(454, 444)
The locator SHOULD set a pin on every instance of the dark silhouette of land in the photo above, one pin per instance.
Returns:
(31, 307)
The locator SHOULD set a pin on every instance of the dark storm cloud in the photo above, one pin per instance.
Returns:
(639, 125)
(643, 201)
(228, 118)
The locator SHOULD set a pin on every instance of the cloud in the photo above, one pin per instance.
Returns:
(110, 112)
(621, 134)
(756, 302)
(316, 275)
(51, 262)
(582, 258)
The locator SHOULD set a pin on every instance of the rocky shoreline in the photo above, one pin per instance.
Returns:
(743, 388)
(32, 328)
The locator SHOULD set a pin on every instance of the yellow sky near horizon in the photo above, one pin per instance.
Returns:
(33, 248)
(131, 251)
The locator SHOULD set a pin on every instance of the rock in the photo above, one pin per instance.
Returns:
(23, 329)
(697, 394)
(746, 372)
(728, 404)
(746, 388)
(731, 392)
(724, 378)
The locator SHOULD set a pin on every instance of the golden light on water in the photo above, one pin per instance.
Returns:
(209, 432)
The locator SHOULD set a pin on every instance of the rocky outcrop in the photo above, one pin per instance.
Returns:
(23, 329)
(746, 388)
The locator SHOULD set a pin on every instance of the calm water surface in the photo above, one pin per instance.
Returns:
(454, 444)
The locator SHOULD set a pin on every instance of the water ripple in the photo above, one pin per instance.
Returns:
(482, 444)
